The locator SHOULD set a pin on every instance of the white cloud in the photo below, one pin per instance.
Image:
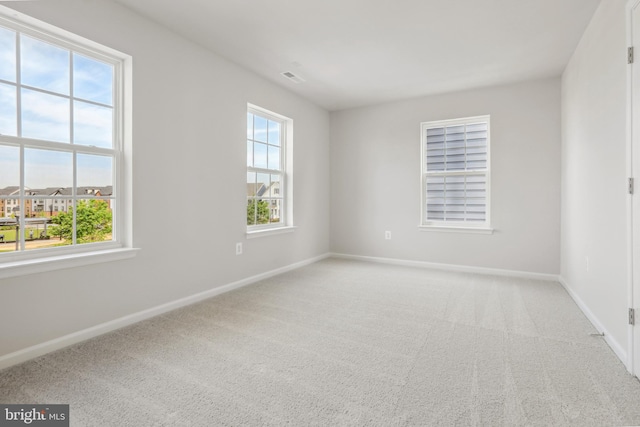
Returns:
(44, 66)
(45, 116)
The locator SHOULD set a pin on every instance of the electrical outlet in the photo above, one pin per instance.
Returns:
(238, 248)
(387, 235)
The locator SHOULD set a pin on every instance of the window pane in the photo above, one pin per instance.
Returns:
(38, 227)
(92, 80)
(251, 184)
(260, 129)
(263, 184)
(7, 54)
(92, 125)
(260, 155)
(94, 221)
(44, 66)
(249, 126)
(274, 157)
(251, 211)
(36, 207)
(94, 174)
(262, 212)
(274, 210)
(274, 133)
(45, 116)
(8, 229)
(12, 207)
(48, 169)
(249, 154)
(9, 170)
(8, 110)
(274, 189)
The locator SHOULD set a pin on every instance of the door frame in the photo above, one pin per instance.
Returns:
(633, 171)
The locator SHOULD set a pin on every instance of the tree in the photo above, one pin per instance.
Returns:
(262, 216)
(93, 222)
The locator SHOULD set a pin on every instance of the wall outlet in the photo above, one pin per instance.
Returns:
(238, 248)
(387, 235)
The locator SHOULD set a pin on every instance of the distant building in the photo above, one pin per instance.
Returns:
(46, 202)
(269, 193)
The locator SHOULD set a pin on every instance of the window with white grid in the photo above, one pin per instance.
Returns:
(266, 172)
(62, 143)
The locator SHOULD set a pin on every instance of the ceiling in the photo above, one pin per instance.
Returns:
(359, 52)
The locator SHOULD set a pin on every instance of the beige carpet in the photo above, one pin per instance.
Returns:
(342, 343)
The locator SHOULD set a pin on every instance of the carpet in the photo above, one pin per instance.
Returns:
(346, 343)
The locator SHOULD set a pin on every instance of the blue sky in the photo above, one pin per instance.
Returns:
(47, 115)
(263, 147)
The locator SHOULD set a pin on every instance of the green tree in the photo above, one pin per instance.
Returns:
(263, 212)
(93, 222)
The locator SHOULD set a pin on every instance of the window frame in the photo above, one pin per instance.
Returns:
(285, 194)
(482, 227)
(120, 247)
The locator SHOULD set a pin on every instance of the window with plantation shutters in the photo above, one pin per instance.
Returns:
(455, 173)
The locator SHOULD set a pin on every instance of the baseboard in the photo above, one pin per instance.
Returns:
(451, 267)
(615, 345)
(37, 350)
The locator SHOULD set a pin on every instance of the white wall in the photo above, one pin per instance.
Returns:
(594, 199)
(189, 166)
(375, 179)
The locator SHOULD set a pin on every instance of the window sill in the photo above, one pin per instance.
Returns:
(444, 229)
(59, 262)
(270, 232)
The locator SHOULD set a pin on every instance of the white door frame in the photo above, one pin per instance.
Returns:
(633, 170)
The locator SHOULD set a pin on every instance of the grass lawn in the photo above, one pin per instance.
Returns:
(10, 235)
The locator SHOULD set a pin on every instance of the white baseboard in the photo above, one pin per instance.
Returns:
(452, 267)
(37, 350)
(615, 345)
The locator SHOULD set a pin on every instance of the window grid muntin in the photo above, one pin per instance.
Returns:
(280, 172)
(115, 152)
(445, 173)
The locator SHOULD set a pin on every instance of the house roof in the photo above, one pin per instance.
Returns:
(256, 189)
(7, 191)
(60, 191)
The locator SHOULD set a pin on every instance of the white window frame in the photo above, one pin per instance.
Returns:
(482, 227)
(286, 184)
(120, 247)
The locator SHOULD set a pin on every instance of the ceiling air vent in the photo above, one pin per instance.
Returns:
(293, 77)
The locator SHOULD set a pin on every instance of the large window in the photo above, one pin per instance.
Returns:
(456, 173)
(61, 141)
(266, 172)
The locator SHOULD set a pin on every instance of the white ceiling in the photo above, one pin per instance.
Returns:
(359, 52)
